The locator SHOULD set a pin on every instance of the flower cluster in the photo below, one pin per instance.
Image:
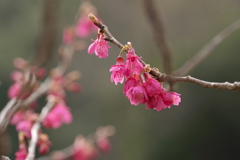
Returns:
(26, 81)
(139, 87)
(83, 26)
(87, 148)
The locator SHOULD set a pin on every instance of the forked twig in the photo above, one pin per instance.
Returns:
(206, 50)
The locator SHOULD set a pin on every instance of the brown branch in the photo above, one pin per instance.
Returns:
(159, 34)
(161, 77)
(36, 127)
(224, 85)
(48, 33)
(206, 50)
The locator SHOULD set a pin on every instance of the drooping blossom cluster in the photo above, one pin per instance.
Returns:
(99, 47)
(83, 26)
(87, 148)
(26, 81)
(23, 75)
(27, 117)
(140, 86)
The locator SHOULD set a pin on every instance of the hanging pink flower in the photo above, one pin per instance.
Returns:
(118, 71)
(99, 47)
(137, 94)
(20, 63)
(18, 117)
(104, 145)
(131, 82)
(84, 27)
(21, 154)
(17, 76)
(152, 86)
(57, 116)
(83, 149)
(68, 35)
(133, 65)
(155, 102)
(25, 126)
(170, 98)
(14, 90)
(43, 144)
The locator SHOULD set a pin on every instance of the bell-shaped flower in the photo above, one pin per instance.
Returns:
(131, 82)
(152, 86)
(170, 98)
(137, 94)
(99, 47)
(57, 116)
(84, 26)
(21, 154)
(133, 65)
(118, 71)
(155, 102)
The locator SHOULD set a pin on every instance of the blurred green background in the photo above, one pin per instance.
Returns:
(206, 124)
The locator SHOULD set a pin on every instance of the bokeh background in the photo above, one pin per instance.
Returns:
(206, 124)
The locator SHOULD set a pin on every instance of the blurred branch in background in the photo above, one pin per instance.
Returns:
(206, 50)
(48, 34)
(159, 34)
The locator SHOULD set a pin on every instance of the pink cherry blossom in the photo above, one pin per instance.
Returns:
(170, 98)
(14, 90)
(133, 65)
(20, 63)
(41, 72)
(44, 145)
(118, 71)
(57, 116)
(21, 154)
(104, 145)
(137, 94)
(84, 27)
(176, 98)
(74, 87)
(18, 117)
(16, 76)
(68, 35)
(131, 82)
(99, 47)
(25, 126)
(83, 149)
(152, 86)
(155, 102)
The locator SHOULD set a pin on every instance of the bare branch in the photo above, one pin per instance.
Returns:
(48, 33)
(224, 85)
(159, 34)
(36, 127)
(206, 50)
(4, 158)
(161, 77)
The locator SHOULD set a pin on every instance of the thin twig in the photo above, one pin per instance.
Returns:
(4, 158)
(206, 50)
(4, 114)
(161, 77)
(224, 85)
(35, 129)
(159, 34)
(5, 111)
